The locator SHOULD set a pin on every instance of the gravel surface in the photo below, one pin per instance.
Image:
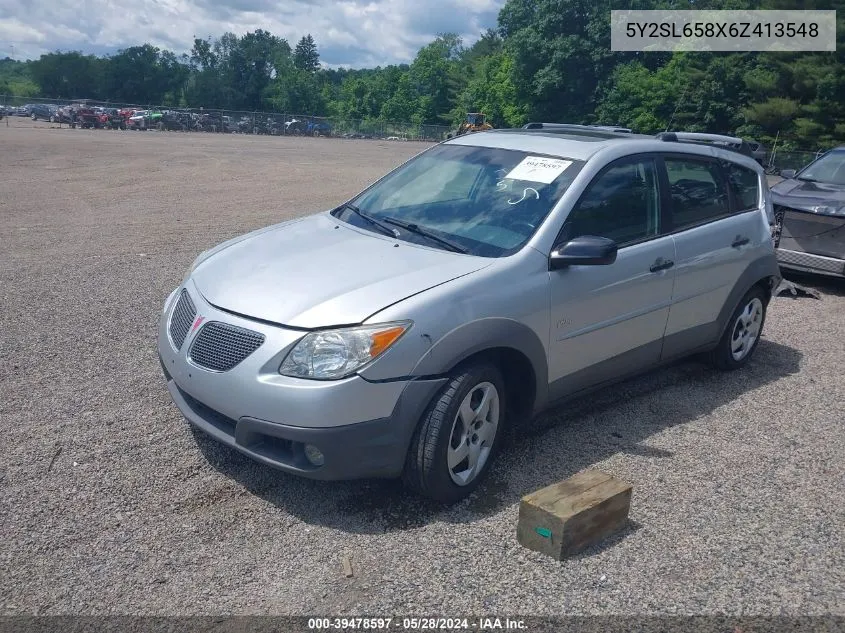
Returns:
(109, 503)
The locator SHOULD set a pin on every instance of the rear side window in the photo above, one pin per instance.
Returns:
(744, 184)
(697, 191)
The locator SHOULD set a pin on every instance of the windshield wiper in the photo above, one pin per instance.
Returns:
(366, 216)
(807, 179)
(415, 228)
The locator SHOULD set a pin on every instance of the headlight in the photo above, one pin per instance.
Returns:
(335, 354)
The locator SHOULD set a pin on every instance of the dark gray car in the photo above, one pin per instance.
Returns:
(43, 111)
(810, 216)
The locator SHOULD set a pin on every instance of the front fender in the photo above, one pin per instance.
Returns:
(483, 335)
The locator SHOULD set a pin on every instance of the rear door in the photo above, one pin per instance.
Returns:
(608, 321)
(714, 215)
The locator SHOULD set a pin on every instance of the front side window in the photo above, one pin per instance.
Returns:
(621, 204)
(488, 201)
(698, 194)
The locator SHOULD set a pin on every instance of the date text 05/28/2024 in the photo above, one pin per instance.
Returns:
(416, 624)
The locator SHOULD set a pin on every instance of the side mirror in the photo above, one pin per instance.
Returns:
(587, 250)
(786, 174)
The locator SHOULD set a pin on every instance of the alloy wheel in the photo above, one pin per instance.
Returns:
(746, 329)
(473, 433)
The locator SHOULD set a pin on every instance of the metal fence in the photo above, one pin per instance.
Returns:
(165, 118)
(778, 160)
(282, 124)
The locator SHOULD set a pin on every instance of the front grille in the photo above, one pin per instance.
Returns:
(220, 346)
(181, 319)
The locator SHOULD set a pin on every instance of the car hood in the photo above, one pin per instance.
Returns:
(806, 196)
(320, 272)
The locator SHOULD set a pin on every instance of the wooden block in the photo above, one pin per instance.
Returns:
(569, 516)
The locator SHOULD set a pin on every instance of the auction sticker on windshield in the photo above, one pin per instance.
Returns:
(539, 169)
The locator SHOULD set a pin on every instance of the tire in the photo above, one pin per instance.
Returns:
(741, 337)
(441, 435)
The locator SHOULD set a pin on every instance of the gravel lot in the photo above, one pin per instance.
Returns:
(111, 504)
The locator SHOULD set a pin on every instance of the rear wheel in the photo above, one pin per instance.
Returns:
(457, 438)
(742, 335)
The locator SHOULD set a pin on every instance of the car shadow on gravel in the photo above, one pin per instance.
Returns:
(547, 449)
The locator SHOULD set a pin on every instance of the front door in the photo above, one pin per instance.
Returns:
(608, 321)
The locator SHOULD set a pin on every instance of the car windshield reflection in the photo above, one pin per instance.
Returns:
(488, 201)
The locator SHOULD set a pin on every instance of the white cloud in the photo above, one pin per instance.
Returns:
(353, 33)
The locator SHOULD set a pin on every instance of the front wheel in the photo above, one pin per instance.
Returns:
(742, 335)
(457, 438)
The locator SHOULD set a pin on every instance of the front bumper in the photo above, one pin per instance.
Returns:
(372, 449)
(811, 263)
(362, 428)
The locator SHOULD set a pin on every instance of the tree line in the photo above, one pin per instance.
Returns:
(547, 60)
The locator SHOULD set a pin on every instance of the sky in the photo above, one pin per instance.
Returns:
(352, 33)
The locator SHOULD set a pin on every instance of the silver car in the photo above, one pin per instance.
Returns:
(486, 279)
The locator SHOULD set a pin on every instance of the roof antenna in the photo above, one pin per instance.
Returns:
(677, 105)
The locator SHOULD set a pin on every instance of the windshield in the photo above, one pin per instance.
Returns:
(830, 168)
(488, 201)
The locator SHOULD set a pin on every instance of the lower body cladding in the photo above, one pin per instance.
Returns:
(333, 430)
(810, 242)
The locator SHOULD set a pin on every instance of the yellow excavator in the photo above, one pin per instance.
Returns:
(475, 122)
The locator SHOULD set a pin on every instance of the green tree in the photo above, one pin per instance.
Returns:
(305, 56)
(251, 64)
(70, 75)
(432, 75)
(145, 75)
(491, 91)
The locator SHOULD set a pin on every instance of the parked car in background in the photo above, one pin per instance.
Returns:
(111, 118)
(138, 120)
(43, 112)
(65, 114)
(23, 110)
(488, 278)
(809, 211)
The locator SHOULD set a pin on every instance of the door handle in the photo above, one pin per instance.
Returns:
(740, 240)
(661, 264)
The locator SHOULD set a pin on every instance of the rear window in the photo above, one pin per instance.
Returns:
(744, 184)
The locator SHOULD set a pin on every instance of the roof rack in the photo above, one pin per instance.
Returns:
(600, 131)
(733, 143)
(699, 136)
